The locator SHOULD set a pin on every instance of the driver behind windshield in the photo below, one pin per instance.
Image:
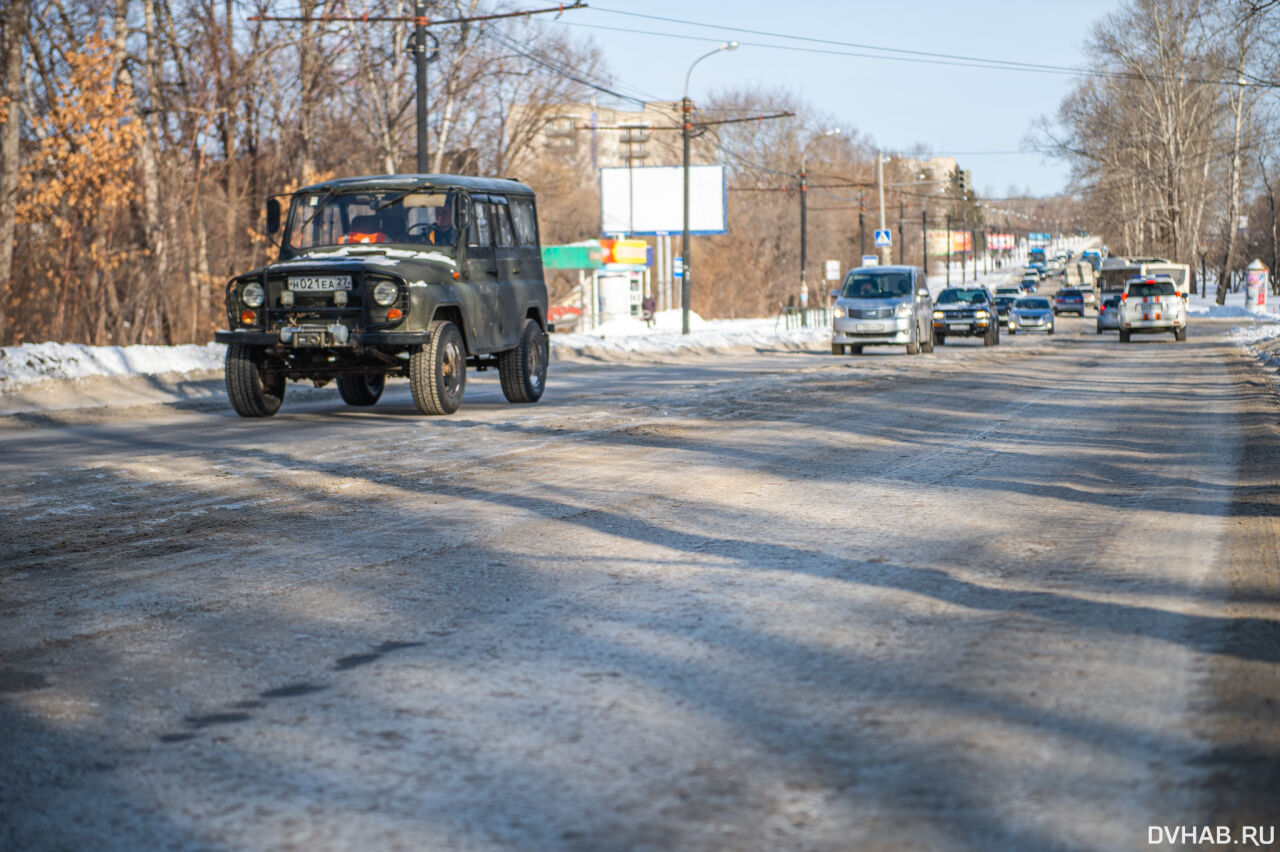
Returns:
(882, 286)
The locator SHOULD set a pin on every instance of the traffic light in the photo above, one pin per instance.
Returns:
(965, 182)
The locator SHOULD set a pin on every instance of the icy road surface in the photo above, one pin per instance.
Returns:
(1011, 598)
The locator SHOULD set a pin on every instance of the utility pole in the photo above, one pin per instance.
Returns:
(420, 74)
(883, 253)
(948, 249)
(420, 35)
(924, 240)
(902, 211)
(862, 226)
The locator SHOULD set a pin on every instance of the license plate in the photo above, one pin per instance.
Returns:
(320, 283)
(870, 326)
(958, 326)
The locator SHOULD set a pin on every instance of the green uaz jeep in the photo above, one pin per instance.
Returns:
(393, 275)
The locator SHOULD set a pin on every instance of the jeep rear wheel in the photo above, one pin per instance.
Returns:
(1180, 334)
(438, 370)
(523, 370)
(253, 391)
(361, 390)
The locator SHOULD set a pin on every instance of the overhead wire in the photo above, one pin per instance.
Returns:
(885, 53)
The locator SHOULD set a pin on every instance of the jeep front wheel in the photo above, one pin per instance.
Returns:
(253, 392)
(438, 370)
(523, 370)
(361, 390)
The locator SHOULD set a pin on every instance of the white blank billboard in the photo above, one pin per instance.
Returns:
(658, 203)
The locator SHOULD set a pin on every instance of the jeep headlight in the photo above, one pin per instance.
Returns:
(904, 310)
(938, 315)
(981, 314)
(385, 293)
(838, 312)
(252, 294)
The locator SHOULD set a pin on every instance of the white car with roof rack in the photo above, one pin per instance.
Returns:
(1151, 305)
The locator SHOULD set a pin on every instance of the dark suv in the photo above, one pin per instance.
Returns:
(394, 275)
(966, 312)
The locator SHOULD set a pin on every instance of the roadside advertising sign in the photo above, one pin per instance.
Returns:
(961, 241)
(833, 270)
(1038, 238)
(1000, 242)
(870, 260)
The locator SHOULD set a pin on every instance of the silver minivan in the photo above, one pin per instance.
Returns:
(882, 305)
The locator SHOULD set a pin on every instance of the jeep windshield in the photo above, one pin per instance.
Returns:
(421, 217)
(956, 295)
(877, 285)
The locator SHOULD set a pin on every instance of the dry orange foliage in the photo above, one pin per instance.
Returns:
(75, 186)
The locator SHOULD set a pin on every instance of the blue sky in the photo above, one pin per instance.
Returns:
(962, 111)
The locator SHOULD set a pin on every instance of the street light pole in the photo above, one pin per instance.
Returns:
(686, 110)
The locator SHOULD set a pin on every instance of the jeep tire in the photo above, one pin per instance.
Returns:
(361, 390)
(1124, 336)
(438, 370)
(1180, 334)
(523, 370)
(253, 392)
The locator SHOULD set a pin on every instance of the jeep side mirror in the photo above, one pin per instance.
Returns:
(835, 294)
(273, 215)
(923, 292)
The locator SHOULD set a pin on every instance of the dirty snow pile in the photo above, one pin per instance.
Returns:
(1235, 308)
(1263, 341)
(38, 362)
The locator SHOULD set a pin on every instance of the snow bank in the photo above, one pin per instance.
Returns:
(665, 336)
(1205, 306)
(37, 362)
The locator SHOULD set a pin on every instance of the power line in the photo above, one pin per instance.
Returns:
(899, 54)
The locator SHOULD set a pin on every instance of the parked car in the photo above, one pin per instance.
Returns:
(1109, 314)
(966, 312)
(1068, 300)
(1152, 305)
(882, 305)
(414, 276)
(1031, 313)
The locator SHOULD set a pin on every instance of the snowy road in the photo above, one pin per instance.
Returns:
(1015, 598)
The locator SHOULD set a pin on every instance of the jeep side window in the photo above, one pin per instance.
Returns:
(502, 226)
(526, 221)
(479, 230)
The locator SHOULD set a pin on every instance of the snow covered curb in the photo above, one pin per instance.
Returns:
(1262, 341)
(40, 362)
(22, 367)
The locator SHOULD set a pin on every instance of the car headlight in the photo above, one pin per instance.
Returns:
(904, 310)
(980, 314)
(253, 295)
(938, 315)
(384, 293)
(839, 312)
